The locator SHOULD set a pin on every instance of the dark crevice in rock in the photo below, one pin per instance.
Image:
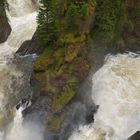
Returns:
(5, 28)
(30, 47)
(136, 136)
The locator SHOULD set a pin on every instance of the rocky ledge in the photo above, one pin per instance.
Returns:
(29, 47)
(5, 28)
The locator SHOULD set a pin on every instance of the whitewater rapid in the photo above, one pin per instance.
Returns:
(23, 27)
(116, 89)
(22, 19)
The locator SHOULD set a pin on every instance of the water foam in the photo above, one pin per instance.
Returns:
(23, 131)
(22, 19)
(20, 7)
(23, 28)
(116, 89)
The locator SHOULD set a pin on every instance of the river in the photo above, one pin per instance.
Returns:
(115, 87)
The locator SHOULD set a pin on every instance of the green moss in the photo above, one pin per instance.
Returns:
(69, 38)
(44, 60)
(59, 101)
(54, 123)
(59, 78)
(56, 69)
(51, 89)
(67, 95)
(72, 52)
(73, 81)
(62, 69)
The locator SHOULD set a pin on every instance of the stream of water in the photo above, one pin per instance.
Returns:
(116, 87)
(22, 19)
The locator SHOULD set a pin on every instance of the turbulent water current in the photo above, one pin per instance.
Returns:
(115, 87)
(22, 19)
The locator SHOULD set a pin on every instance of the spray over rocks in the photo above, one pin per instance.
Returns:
(22, 19)
(116, 90)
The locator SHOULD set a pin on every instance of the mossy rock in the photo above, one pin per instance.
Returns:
(44, 60)
(69, 38)
(53, 123)
(58, 102)
(50, 58)
(72, 52)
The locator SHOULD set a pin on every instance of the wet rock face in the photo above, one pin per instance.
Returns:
(5, 28)
(59, 70)
(29, 47)
(136, 136)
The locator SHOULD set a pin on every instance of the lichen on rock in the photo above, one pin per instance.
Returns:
(64, 63)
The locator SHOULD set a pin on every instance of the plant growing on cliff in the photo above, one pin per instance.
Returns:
(47, 24)
(76, 13)
(2, 2)
(107, 16)
(59, 17)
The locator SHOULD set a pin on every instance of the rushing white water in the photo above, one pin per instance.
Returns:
(22, 18)
(20, 131)
(23, 25)
(20, 7)
(116, 89)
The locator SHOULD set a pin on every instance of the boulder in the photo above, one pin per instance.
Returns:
(5, 28)
(29, 47)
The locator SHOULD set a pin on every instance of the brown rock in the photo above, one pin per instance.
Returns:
(5, 28)
(29, 47)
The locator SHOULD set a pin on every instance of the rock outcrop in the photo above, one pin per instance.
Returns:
(5, 28)
(29, 47)
(60, 69)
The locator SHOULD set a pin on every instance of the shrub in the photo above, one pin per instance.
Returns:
(107, 15)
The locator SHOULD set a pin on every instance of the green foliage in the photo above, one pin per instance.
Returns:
(78, 10)
(106, 19)
(2, 2)
(47, 29)
(112, 21)
(59, 17)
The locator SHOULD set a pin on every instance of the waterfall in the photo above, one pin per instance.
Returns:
(20, 131)
(20, 7)
(23, 27)
(116, 89)
(22, 19)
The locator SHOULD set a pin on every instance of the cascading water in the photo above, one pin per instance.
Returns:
(22, 18)
(116, 89)
(20, 7)
(20, 131)
(23, 28)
